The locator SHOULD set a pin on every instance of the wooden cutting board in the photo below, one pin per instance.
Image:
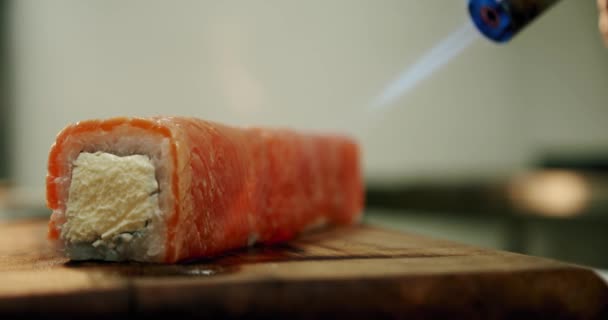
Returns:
(359, 272)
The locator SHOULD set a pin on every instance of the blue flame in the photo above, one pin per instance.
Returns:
(434, 59)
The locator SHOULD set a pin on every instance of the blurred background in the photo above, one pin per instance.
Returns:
(503, 146)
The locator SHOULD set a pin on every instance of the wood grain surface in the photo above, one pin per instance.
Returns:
(358, 272)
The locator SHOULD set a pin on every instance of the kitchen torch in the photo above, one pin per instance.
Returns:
(500, 20)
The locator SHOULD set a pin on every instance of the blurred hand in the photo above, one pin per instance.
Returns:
(602, 6)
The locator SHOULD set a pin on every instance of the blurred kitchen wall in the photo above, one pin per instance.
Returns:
(313, 65)
(4, 94)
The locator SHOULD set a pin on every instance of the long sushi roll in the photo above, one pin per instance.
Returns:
(168, 189)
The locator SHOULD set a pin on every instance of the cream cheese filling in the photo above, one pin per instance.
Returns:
(110, 197)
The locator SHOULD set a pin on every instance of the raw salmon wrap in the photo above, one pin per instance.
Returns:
(168, 189)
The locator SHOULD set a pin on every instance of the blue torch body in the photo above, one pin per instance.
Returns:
(501, 20)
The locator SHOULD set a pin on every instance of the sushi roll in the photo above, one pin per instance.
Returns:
(168, 189)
